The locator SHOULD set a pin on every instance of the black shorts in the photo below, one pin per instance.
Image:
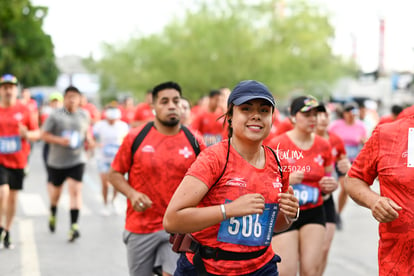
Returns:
(329, 207)
(13, 177)
(58, 176)
(310, 216)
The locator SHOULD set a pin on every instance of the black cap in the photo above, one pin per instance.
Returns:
(303, 104)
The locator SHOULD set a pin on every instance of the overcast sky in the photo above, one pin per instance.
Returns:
(80, 26)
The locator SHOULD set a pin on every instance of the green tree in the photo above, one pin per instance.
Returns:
(223, 42)
(25, 50)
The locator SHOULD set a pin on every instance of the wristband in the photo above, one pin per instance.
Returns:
(290, 220)
(223, 211)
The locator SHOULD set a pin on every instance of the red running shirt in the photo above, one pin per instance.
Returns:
(210, 126)
(239, 178)
(337, 145)
(312, 162)
(143, 112)
(386, 155)
(160, 163)
(13, 149)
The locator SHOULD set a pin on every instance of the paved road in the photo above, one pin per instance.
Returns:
(100, 250)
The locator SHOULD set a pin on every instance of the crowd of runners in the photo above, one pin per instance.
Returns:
(245, 184)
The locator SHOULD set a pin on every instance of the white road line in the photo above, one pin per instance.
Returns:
(29, 259)
(32, 204)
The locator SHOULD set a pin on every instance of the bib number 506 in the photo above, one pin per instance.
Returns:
(246, 225)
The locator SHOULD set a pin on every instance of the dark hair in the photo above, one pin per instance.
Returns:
(165, 85)
(72, 89)
(227, 118)
(396, 109)
(214, 93)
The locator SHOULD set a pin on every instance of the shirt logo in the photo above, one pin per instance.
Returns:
(18, 116)
(277, 184)
(334, 152)
(148, 148)
(319, 160)
(185, 152)
(237, 181)
(290, 155)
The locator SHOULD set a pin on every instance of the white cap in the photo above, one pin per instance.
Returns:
(113, 113)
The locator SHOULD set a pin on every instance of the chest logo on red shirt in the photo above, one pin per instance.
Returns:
(318, 160)
(236, 181)
(290, 155)
(334, 152)
(18, 116)
(185, 152)
(277, 184)
(148, 148)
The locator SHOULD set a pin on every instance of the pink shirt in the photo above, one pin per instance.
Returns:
(352, 135)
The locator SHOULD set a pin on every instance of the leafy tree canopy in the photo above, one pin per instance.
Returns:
(222, 42)
(25, 50)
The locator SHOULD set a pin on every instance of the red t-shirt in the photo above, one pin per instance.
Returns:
(92, 111)
(143, 112)
(127, 114)
(386, 119)
(337, 145)
(239, 178)
(408, 111)
(159, 165)
(13, 149)
(210, 126)
(311, 161)
(386, 155)
(284, 126)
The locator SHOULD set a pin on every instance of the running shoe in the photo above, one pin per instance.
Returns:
(74, 233)
(52, 224)
(7, 241)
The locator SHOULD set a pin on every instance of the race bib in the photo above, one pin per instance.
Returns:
(211, 139)
(74, 138)
(10, 144)
(110, 150)
(306, 194)
(250, 230)
(352, 151)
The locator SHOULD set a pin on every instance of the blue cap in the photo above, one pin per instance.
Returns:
(248, 90)
(8, 78)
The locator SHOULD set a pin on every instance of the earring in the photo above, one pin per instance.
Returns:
(293, 120)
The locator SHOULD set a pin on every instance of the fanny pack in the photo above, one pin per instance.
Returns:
(183, 243)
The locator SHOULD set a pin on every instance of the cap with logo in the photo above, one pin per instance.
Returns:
(8, 78)
(303, 104)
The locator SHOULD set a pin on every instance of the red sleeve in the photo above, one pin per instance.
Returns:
(209, 164)
(196, 122)
(327, 153)
(365, 165)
